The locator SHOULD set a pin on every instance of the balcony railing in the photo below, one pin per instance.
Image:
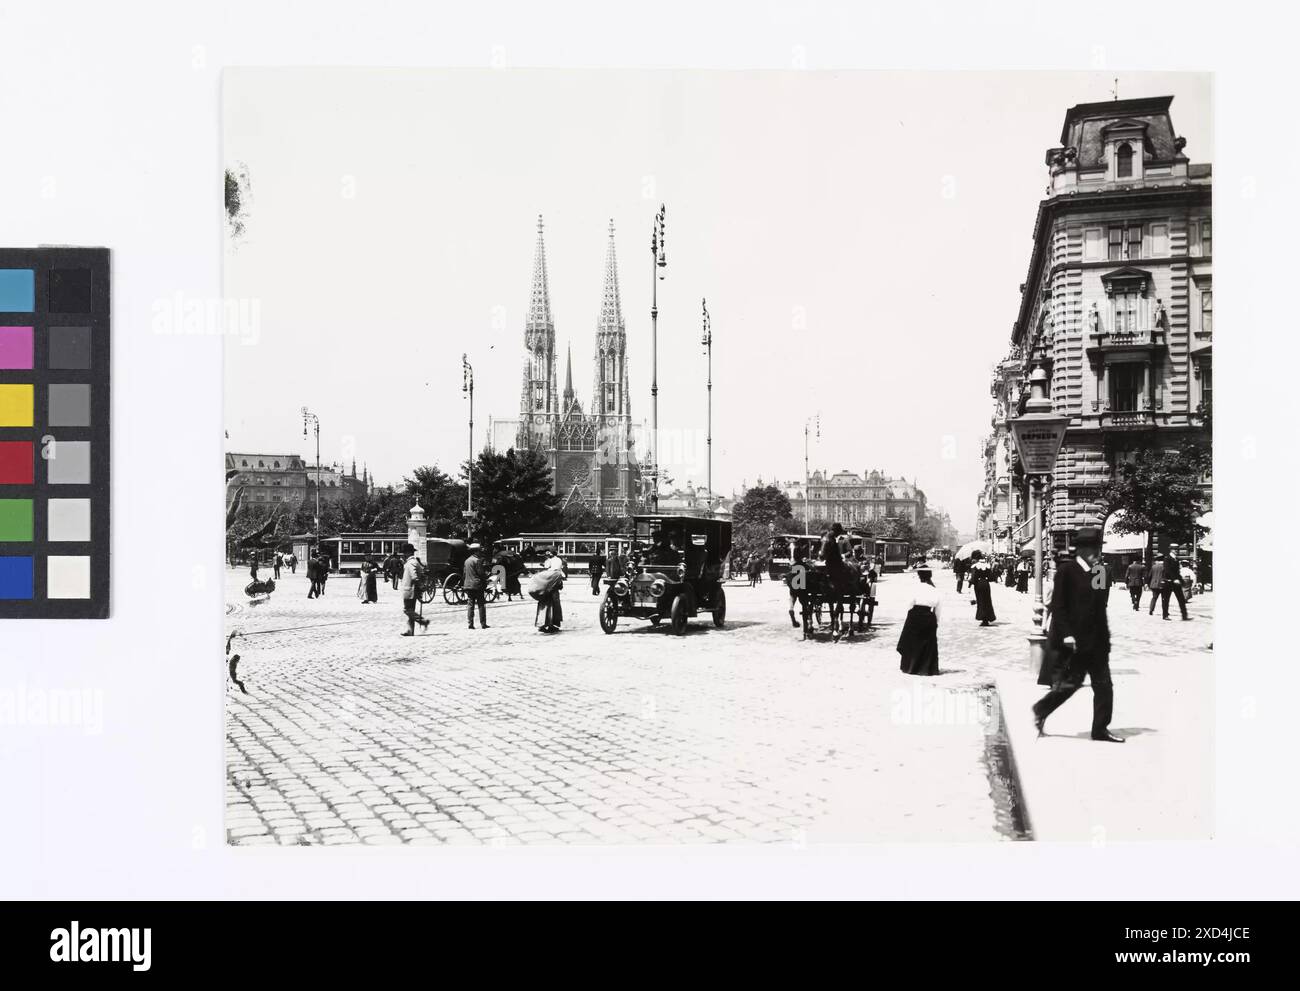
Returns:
(1144, 338)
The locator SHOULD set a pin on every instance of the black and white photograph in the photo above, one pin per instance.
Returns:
(652, 457)
(690, 452)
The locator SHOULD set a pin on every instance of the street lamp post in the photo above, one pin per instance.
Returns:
(314, 420)
(1038, 434)
(659, 260)
(707, 341)
(467, 387)
(807, 426)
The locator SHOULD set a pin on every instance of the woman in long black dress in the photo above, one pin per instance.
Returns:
(980, 578)
(918, 644)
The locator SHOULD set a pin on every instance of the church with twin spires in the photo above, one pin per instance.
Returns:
(591, 452)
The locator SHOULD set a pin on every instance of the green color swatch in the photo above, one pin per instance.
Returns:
(15, 520)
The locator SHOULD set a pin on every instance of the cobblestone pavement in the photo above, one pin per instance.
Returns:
(350, 733)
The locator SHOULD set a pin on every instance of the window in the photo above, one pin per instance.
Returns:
(1124, 162)
(1125, 385)
(1207, 386)
(1207, 312)
(1126, 313)
(1206, 237)
(1116, 251)
(539, 395)
(1125, 243)
(609, 397)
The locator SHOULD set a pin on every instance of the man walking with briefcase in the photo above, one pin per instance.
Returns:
(1079, 637)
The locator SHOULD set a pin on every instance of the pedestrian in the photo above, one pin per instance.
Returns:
(475, 585)
(252, 565)
(369, 581)
(276, 562)
(918, 644)
(1156, 582)
(1079, 636)
(1022, 576)
(410, 583)
(322, 573)
(1174, 586)
(1134, 578)
(597, 568)
(555, 611)
(959, 569)
(313, 584)
(514, 568)
(293, 563)
(545, 588)
(981, 577)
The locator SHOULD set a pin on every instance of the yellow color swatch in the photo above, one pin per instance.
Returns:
(16, 405)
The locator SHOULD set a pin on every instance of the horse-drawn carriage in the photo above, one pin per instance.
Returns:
(674, 573)
(842, 589)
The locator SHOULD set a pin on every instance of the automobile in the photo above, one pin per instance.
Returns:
(674, 573)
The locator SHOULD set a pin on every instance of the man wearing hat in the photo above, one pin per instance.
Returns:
(1080, 634)
(475, 585)
(410, 581)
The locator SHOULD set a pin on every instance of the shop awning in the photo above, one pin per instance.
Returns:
(1121, 543)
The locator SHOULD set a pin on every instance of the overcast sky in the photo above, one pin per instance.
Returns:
(860, 238)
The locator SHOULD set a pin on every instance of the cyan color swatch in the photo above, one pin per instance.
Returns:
(17, 290)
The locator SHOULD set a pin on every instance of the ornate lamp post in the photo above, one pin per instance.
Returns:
(467, 387)
(1038, 434)
(659, 260)
(309, 417)
(707, 342)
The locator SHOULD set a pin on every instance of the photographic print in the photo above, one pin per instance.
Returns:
(693, 457)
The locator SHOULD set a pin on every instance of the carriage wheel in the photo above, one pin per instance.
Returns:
(452, 593)
(426, 593)
(491, 593)
(720, 609)
(679, 616)
(608, 613)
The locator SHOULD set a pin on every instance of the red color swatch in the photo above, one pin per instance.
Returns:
(17, 462)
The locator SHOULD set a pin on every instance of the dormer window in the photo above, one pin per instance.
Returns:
(1124, 162)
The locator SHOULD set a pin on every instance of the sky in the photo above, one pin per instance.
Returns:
(859, 236)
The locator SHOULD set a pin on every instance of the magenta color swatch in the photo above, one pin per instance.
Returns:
(15, 347)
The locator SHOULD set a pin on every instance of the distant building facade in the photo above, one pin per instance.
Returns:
(286, 479)
(1117, 308)
(858, 500)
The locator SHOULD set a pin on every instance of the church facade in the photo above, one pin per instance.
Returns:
(591, 452)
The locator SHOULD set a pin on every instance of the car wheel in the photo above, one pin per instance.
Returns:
(679, 616)
(720, 609)
(608, 613)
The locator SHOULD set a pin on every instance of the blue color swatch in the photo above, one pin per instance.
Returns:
(17, 290)
(15, 577)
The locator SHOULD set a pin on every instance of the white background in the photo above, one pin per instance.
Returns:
(109, 135)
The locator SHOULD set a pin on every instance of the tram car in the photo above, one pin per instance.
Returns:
(577, 549)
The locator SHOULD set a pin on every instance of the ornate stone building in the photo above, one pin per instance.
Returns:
(591, 452)
(850, 499)
(1001, 512)
(1117, 306)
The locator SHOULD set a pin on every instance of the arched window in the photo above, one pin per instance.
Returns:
(1123, 162)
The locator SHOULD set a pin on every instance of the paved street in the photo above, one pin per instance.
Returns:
(351, 733)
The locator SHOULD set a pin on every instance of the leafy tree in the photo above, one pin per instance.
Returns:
(512, 494)
(762, 513)
(440, 496)
(1160, 493)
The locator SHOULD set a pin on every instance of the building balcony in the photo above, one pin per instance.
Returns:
(1121, 419)
(1145, 341)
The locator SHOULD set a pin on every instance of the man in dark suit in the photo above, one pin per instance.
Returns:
(1080, 634)
(1174, 587)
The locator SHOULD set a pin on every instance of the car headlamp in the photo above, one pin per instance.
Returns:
(620, 588)
(658, 587)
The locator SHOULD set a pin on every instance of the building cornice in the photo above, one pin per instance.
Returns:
(1065, 204)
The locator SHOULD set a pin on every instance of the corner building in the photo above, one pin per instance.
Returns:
(1117, 306)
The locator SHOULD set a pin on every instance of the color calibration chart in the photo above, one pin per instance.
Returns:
(54, 433)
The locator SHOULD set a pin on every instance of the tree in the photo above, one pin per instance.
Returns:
(759, 515)
(929, 532)
(512, 494)
(1160, 493)
(440, 496)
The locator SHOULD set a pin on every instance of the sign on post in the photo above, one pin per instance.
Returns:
(1038, 440)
